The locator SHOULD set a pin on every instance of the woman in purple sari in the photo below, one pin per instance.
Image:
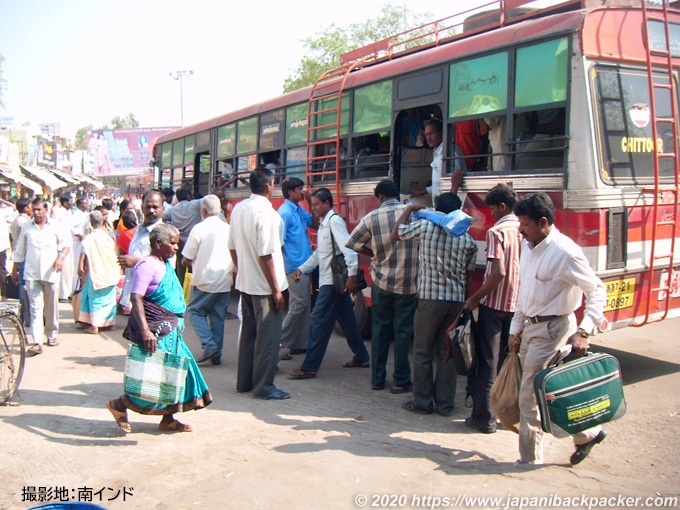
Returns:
(157, 298)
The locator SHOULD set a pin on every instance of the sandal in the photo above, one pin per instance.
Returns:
(298, 373)
(120, 417)
(277, 395)
(357, 364)
(409, 405)
(175, 426)
(404, 388)
(92, 330)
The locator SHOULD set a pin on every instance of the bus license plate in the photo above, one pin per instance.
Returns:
(620, 294)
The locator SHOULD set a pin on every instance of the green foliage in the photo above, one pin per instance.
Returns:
(127, 121)
(324, 48)
(80, 140)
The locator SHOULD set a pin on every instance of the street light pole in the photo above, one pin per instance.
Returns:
(180, 75)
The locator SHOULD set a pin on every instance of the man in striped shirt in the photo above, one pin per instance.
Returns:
(497, 299)
(445, 265)
(393, 293)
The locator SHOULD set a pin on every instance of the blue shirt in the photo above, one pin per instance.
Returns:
(296, 246)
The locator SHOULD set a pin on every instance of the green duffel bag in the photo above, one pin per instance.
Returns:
(579, 394)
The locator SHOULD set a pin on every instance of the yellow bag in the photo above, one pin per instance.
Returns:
(187, 286)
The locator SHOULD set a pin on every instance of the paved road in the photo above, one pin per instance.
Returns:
(335, 444)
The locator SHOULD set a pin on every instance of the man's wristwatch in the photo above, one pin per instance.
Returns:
(583, 333)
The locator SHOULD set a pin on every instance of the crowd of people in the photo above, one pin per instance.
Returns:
(421, 279)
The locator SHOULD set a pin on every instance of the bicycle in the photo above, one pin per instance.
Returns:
(12, 352)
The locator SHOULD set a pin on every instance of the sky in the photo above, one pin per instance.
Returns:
(81, 62)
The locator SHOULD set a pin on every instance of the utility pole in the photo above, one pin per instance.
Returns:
(180, 75)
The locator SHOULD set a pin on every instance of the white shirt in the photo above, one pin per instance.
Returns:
(208, 248)
(324, 251)
(257, 231)
(79, 222)
(15, 227)
(4, 235)
(553, 277)
(436, 189)
(38, 248)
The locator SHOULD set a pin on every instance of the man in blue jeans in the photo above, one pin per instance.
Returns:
(330, 306)
(394, 268)
(206, 252)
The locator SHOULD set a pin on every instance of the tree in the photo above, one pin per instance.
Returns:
(80, 140)
(2, 83)
(324, 48)
(127, 121)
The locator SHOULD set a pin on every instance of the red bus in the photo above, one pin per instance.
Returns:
(578, 99)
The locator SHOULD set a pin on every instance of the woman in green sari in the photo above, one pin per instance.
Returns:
(157, 300)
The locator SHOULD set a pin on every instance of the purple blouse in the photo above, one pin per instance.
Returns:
(147, 276)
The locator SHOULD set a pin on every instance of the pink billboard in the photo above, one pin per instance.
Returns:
(125, 151)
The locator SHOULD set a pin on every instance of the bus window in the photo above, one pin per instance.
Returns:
(624, 114)
(470, 141)
(372, 157)
(295, 162)
(272, 161)
(541, 77)
(226, 173)
(327, 152)
(541, 139)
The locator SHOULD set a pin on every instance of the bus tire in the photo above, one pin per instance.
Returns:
(363, 316)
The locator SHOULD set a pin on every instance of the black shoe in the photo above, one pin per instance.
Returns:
(484, 429)
(207, 355)
(583, 450)
(217, 361)
(297, 351)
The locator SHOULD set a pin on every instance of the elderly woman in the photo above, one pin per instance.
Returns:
(157, 299)
(98, 260)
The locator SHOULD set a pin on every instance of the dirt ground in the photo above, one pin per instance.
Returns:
(335, 444)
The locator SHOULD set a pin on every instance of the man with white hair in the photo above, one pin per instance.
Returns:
(206, 252)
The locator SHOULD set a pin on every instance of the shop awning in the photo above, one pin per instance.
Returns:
(90, 180)
(15, 175)
(65, 176)
(45, 177)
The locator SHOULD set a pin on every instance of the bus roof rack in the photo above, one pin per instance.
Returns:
(489, 16)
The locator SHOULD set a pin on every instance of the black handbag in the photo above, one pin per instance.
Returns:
(338, 266)
(339, 270)
(461, 345)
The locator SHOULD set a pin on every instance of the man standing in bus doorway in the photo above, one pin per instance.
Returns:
(445, 264)
(554, 275)
(433, 137)
(394, 267)
(42, 248)
(496, 299)
(255, 246)
(296, 249)
(331, 306)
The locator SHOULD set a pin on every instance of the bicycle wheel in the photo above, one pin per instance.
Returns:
(12, 354)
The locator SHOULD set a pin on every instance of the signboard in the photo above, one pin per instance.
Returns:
(125, 151)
